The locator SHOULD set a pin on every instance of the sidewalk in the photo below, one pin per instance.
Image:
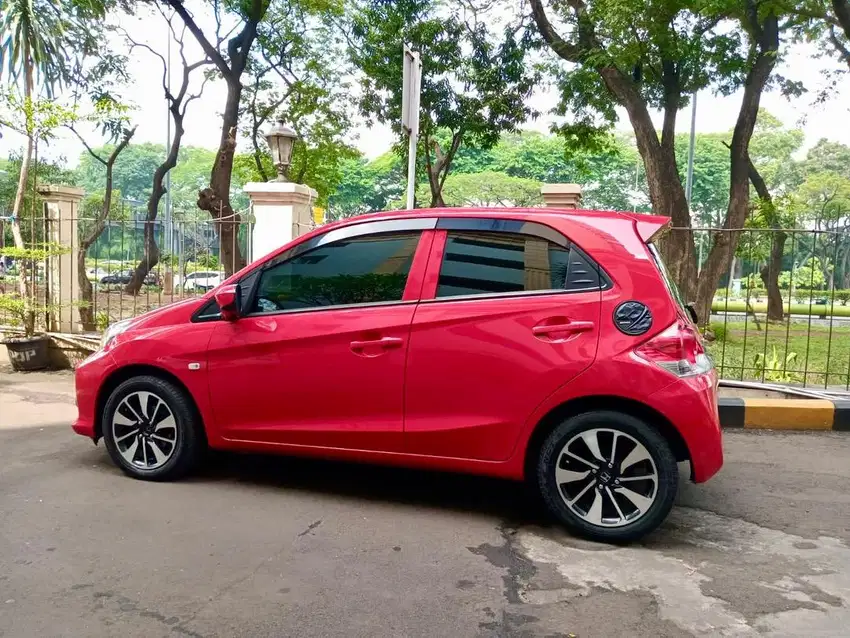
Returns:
(36, 399)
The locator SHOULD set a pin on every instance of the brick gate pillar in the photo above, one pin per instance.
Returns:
(61, 214)
(282, 211)
(561, 195)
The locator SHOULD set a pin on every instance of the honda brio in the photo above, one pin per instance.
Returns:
(533, 344)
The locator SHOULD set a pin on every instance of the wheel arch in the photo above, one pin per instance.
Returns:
(122, 374)
(608, 403)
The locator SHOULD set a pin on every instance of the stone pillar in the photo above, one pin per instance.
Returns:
(61, 213)
(561, 195)
(282, 212)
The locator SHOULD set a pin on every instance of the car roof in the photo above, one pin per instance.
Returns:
(647, 225)
(507, 213)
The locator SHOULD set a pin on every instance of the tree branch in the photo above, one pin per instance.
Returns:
(568, 51)
(86, 145)
(843, 51)
(211, 51)
(842, 12)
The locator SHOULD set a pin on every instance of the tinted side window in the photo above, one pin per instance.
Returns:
(478, 263)
(368, 269)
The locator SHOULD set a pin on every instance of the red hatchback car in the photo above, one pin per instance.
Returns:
(531, 344)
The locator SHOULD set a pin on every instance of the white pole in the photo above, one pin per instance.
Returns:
(411, 172)
(411, 83)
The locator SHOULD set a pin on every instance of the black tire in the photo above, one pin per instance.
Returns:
(656, 446)
(190, 442)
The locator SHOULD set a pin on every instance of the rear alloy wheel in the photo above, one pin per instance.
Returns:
(149, 428)
(608, 476)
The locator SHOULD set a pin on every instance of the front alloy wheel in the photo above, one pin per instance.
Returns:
(144, 430)
(152, 429)
(607, 476)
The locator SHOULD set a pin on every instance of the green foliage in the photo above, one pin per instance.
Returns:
(33, 32)
(102, 320)
(366, 186)
(718, 330)
(775, 368)
(807, 275)
(476, 79)
(489, 188)
(645, 42)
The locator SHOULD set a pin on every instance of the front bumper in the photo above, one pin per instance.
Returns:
(88, 379)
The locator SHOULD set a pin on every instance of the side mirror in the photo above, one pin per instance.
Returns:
(229, 300)
(692, 312)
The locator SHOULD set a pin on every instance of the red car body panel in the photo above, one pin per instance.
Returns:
(452, 384)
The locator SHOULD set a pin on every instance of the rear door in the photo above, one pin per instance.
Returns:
(509, 313)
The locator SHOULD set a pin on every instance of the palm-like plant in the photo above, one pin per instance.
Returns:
(31, 45)
(31, 37)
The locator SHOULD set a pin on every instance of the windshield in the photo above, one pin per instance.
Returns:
(665, 275)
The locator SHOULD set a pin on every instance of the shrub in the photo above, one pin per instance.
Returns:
(718, 330)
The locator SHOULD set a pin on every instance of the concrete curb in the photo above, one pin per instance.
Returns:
(785, 414)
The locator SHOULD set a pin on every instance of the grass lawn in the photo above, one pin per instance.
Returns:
(823, 358)
(796, 308)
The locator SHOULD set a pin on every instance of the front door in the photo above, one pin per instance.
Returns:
(319, 358)
(514, 315)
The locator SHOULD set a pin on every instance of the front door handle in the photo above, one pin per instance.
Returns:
(568, 326)
(386, 343)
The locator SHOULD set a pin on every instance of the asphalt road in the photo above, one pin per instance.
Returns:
(264, 546)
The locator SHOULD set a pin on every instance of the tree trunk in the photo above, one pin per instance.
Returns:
(17, 206)
(666, 193)
(770, 272)
(152, 254)
(439, 168)
(725, 242)
(770, 276)
(216, 198)
(87, 318)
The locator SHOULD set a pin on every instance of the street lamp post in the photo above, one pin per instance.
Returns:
(280, 140)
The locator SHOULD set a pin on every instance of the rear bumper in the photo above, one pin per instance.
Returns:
(691, 406)
(88, 379)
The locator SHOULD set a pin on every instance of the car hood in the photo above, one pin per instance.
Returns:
(176, 312)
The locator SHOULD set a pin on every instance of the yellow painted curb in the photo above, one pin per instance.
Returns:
(789, 414)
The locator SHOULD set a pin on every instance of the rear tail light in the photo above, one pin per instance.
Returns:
(678, 350)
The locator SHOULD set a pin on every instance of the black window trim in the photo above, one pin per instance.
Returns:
(475, 224)
(533, 229)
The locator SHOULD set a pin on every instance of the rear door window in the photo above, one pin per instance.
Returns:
(492, 263)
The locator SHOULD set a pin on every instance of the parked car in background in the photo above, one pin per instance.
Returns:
(201, 281)
(123, 277)
(537, 344)
(120, 277)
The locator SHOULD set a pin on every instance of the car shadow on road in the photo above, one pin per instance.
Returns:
(511, 501)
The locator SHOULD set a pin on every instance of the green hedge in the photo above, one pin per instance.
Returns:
(842, 297)
(796, 309)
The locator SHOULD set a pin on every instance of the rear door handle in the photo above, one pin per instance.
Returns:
(386, 343)
(570, 326)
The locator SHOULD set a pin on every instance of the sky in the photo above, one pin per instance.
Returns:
(714, 113)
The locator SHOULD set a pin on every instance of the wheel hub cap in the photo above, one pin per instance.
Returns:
(144, 430)
(606, 477)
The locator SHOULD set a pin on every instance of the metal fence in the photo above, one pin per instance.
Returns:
(193, 256)
(806, 339)
(808, 344)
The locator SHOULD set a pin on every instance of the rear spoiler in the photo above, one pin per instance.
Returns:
(649, 227)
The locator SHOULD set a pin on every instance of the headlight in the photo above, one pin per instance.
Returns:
(113, 331)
